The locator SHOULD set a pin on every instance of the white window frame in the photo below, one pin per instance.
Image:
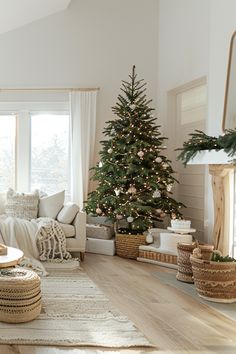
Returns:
(23, 112)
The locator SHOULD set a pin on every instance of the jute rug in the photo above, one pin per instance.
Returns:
(75, 312)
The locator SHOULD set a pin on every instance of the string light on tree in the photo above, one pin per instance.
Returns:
(133, 184)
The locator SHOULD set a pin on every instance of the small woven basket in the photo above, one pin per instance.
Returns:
(20, 295)
(185, 272)
(127, 246)
(215, 281)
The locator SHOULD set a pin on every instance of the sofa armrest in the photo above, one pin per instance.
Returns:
(79, 223)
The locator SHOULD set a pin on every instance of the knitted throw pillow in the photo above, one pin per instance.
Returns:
(22, 205)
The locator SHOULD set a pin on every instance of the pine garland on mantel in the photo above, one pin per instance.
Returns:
(200, 141)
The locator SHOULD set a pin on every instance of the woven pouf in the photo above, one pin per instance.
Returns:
(185, 272)
(20, 295)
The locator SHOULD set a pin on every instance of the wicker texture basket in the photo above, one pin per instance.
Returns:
(215, 281)
(158, 256)
(127, 246)
(185, 272)
(20, 295)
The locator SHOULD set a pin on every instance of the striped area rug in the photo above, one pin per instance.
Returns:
(75, 312)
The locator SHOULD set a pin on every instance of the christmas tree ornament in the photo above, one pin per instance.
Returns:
(98, 211)
(132, 106)
(158, 159)
(159, 211)
(110, 151)
(100, 164)
(140, 153)
(169, 187)
(156, 194)
(130, 219)
(132, 190)
(149, 237)
(165, 165)
(119, 216)
(162, 215)
(117, 191)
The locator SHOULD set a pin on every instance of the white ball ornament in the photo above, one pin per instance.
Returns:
(156, 194)
(159, 211)
(110, 151)
(140, 153)
(98, 211)
(100, 164)
(130, 219)
(169, 187)
(132, 106)
(158, 159)
(165, 165)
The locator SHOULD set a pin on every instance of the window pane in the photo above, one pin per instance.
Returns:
(7, 151)
(50, 153)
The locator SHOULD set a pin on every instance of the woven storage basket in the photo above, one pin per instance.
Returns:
(185, 272)
(20, 295)
(159, 257)
(215, 281)
(127, 246)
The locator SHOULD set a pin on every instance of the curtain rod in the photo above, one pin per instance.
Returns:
(65, 89)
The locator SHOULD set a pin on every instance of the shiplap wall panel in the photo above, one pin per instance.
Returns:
(191, 115)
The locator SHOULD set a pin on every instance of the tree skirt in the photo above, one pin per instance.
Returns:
(75, 312)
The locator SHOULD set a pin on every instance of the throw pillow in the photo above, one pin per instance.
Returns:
(51, 205)
(22, 205)
(68, 213)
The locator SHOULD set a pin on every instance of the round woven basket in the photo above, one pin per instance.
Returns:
(185, 272)
(127, 246)
(215, 281)
(20, 295)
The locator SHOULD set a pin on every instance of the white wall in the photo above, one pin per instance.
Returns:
(183, 55)
(183, 47)
(91, 44)
(222, 26)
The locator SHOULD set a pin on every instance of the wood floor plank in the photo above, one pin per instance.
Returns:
(172, 320)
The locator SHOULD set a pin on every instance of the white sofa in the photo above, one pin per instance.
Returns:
(75, 231)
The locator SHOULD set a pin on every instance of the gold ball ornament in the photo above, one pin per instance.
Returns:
(132, 190)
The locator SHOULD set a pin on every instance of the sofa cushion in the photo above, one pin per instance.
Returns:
(68, 213)
(22, 205)
(51, 205)
(68, 229)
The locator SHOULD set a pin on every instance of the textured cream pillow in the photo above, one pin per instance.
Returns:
(51, 205)
(68, 213)
(22, 205)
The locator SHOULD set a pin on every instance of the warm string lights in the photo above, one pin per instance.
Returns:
(134, 178)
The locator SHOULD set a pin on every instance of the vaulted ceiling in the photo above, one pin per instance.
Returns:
(17, 13)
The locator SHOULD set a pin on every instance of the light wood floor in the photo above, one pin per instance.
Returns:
(173, 321)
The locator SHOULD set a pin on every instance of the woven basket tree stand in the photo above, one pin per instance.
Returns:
(127, 246)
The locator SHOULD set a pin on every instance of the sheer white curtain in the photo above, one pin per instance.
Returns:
(83, 127)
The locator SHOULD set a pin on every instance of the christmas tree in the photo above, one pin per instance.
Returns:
(134, 176)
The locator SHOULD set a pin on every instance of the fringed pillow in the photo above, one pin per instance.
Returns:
(22, 205)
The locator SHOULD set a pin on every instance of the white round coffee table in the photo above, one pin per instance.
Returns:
(12, 258)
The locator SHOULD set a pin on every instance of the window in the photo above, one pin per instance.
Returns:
(50, 160)
(35, 145)
(7, 151)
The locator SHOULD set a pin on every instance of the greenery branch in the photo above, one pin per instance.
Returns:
(200, 141)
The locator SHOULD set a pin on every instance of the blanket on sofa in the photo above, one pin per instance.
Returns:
(39, 239)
